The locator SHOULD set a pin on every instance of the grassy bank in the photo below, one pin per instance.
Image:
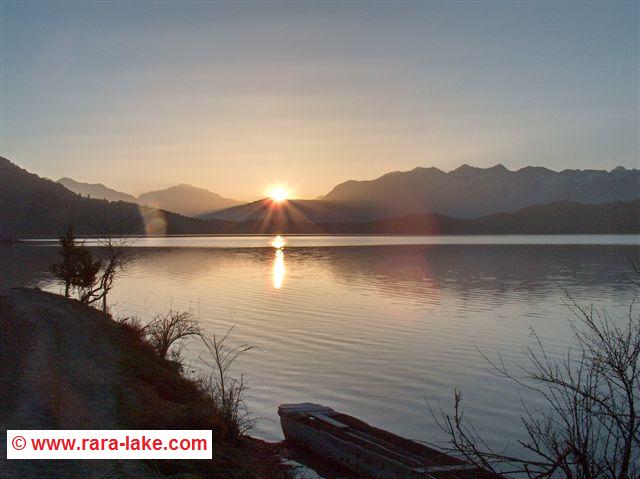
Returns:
(67, 365)
(160, 397)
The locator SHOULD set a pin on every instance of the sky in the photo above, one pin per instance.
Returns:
(236, 97)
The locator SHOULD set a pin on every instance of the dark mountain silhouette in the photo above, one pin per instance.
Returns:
(31, 206)
(187, 200)
(555, 218)
(469, 192)
(95, 190)
(291, 210)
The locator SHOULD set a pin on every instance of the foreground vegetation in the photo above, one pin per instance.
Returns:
(164, 396)
(167, 399)
(589, 427)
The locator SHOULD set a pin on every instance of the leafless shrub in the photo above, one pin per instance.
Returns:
(590, 427)
(168, 330)
(227, 393)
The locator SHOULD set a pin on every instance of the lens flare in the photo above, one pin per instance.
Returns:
(154, 221)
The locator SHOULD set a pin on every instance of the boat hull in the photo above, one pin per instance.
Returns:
(351, 456)
(367, 450)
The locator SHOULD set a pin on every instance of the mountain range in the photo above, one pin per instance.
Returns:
(466, 192)
(469, 192)
(183, 199)
(32, 206)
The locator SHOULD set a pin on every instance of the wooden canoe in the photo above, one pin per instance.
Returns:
(367, 450)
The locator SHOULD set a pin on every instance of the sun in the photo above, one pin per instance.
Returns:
(278, 194)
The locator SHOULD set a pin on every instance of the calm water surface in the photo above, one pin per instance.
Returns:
(378, 327)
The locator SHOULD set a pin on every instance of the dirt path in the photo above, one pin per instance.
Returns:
(58, 370)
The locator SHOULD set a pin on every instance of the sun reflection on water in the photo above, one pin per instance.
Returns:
(278, 269)
(278, 264)
(278, 242)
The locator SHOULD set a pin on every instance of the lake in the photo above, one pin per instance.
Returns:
(377, 327)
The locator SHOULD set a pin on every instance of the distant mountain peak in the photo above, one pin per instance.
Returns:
(470, 192)
(535, 168)
(66, 179)
(95, 190)
(425, 169)
(465, 169)
(184, 199)
(468, 169)
(619, 169)
(187, 199)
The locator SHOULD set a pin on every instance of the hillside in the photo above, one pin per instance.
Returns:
(290, 210)
(95, 190)
(469, 192)
(67, 366)
(554, 218)
(183, 199)
(34, 206)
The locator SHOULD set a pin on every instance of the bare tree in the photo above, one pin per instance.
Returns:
(227, 393)
(86, 277)
(167, 330)
(590, 428)
(112, 262)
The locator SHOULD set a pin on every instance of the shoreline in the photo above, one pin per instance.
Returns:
(67, 366)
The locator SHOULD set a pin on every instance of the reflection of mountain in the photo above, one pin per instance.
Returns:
(425, 275)
(242, 279)
(473, 269)
(410, 270)
(23, 265)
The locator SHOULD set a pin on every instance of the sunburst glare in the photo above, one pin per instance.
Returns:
(278, 242)
(278, 194)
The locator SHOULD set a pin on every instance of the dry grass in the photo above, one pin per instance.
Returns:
(227, 393)
(165, 399)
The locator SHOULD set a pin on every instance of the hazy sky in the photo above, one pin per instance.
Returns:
(236, 96)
